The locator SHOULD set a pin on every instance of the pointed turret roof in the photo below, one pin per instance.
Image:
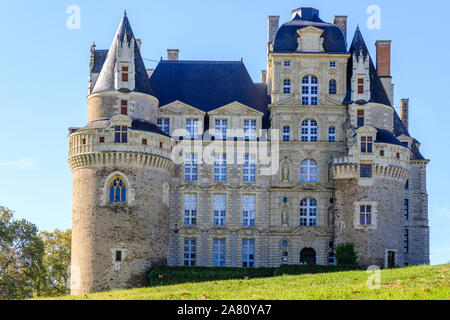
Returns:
(377, 92)
(106, 78)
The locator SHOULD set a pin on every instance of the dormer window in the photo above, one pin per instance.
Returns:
(124, 73)
(121, 134)
(360, 85)
(366, 144)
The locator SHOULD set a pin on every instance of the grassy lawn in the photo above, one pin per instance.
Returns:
(422, 282)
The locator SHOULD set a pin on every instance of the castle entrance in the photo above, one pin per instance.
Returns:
(308, 256)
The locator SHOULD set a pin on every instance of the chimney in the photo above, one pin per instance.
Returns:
(384, 66)
(273, 24)
(404, 112)
(263, 76)
(341, 22)
(172, 54)
(139, 43)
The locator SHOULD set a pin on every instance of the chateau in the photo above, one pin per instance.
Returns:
(194, 164)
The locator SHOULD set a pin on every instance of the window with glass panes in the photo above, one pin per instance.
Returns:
(366, 144)
(286, 86)
(190, 209)
(309, 131)
(360, 118)
(331, 134)
(406, 241)
(192, 128)
(332, 87)
(365, 215)
(366, 171)
(249, 168)
(221, 127)
(249, 210)
(164, 125)
(248, 253)
(190, 167)
(220, 210)
(406, 209)
(219, 252)
(308, 212)
(250, 129)
(220, 167)
(286, 133)
(310, 91)
(117, 192)
(309, 171)
(121, 134)
(190, 252)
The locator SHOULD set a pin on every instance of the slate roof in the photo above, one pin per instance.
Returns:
(286, 37)
(106, 78)
(139, 125)
(384, 136)
(207, 85)
(99, 60)
(377, 92)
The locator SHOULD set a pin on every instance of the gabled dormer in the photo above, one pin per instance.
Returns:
(310, 40)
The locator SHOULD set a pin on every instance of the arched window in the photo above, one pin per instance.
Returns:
(117, 191)
(309, 131)
(309, 171)
(310, 91)
(287, 86)
(308, 212)
(331, 134)
(332, 87)
(286, 133)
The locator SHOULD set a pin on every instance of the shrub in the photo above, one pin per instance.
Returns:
(310, 269)
(346, 255)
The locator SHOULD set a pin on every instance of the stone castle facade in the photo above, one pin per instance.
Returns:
(344, 167)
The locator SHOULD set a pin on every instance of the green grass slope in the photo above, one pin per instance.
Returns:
(422, 282)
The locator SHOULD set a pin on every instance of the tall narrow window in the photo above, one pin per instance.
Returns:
(366, 144)
(284, 257)
(365, 215)
(360, 118)
(360, 85)
(124, 107)
(249, 210)
(310, 91)
(219, 252)
(124, 73)
(220, 167)
(308, 213)
(190, 167)
(190, 209)
(332, 87)
(406, 241)
(309, 171)
(192, 128)
(407, 185)
(121, 134)
(286, 133)
(250, 129)
(190, 252)
(221, 127)
(117, 192)
(220, 209)
(248, 253)
(406, 209)
(366, 171)
(249, 168)
(331, 134)
(286, 86)
(309, 131)
(164, 125)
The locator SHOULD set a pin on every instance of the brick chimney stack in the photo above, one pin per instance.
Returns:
(341, 22)
(172, 54)
(384, 66)
(273, 24)
(404, 112)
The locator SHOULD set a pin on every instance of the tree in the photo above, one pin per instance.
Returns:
(346, 255)
(56, 262)
(21, 255)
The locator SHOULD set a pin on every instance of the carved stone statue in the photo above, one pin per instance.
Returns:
(285, 216)
(285, 171)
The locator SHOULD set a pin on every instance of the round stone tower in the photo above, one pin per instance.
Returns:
(121, 172)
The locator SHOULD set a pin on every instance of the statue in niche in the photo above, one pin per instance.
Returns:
(331, 212)
(285, 216)
(285, 171)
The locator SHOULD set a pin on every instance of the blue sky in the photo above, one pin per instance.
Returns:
(44, 80)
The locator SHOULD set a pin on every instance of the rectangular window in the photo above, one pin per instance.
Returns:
(406, 241)
(287, 63)
(249, 168)
(192, 128)
(250, 129)
(365, 215)
(220, 209)
(249, 210)
(190, 167)
(190, 209)
(164, 125)
(248, 253)
(220, 167)
(382, 153)
(286, 86)
(406, 209)
(286, 133)
(366, 171)
(102, 140)
(118, 256)
(121, 134)
(219, 252)
(144, 142)
(124, 74)
(360, 86)
(190, 252)
(221, 127)
(366, 144)
(332, 134)
(124, 111)
(332, 64)
(360, 118)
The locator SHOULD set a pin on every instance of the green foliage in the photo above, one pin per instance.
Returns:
(310, 269)
(174, 275)
(21, 255)
(346, 255)
(56, 262)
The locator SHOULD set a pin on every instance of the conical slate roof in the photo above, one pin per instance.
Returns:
(106, 78)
